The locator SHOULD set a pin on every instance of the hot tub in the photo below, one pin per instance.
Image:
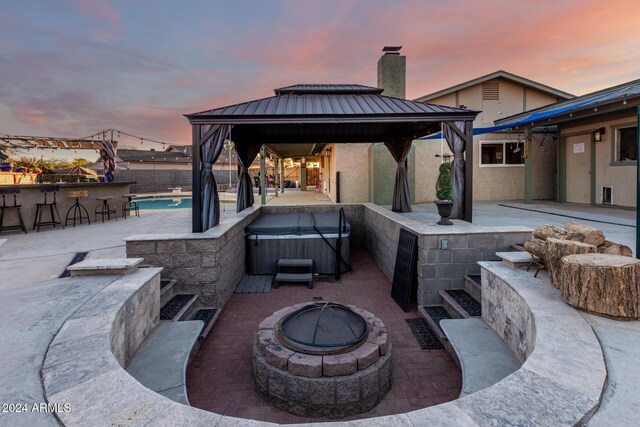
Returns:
(301, 235)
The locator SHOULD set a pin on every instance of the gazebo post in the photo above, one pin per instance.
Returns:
(196, 202)
(282, 175)
(275, 175)
(468, 171)
(263, 180)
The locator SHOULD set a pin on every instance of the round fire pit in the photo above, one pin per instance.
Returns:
(322, 359)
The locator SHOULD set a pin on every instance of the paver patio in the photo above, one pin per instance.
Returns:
(421, 378)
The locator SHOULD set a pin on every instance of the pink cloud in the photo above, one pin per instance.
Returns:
(99, 10)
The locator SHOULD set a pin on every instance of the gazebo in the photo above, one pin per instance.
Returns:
(304, 114)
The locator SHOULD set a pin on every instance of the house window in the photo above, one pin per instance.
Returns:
(501, 153)
(626, 142)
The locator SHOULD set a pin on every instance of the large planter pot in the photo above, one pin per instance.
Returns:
(444, 210)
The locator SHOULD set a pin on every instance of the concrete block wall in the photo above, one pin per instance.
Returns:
(208, 264)
(440, 269)
(381, 235)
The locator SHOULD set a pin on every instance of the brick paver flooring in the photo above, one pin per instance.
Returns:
(219, 378)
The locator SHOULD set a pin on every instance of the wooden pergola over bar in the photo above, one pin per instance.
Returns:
(313, 114)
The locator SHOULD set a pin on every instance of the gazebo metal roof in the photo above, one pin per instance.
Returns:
(329, 104)
(307, 114)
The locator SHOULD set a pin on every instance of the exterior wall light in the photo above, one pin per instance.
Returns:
(597, 135)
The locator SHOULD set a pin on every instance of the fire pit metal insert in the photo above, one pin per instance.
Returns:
(323, 328)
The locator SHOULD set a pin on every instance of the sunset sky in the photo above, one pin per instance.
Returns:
(72, 68)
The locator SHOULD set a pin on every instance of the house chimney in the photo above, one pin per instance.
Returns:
(392, 72)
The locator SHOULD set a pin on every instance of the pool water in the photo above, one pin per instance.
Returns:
(164, 202)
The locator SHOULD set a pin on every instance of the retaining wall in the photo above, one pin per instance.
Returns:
(438, 268)
(208, 264)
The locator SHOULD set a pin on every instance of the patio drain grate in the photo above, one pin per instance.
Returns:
(174, 305)
(423, 333)
(79, 256)
(466, 301)
(254, 284)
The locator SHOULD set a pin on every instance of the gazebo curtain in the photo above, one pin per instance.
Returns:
(211, 150)
(108, 158)
(400, 149)
(453, 133)
(247, 152)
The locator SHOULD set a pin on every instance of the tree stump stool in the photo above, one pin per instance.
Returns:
(602, 284)
(558, 249)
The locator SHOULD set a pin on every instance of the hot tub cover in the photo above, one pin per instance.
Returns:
(296, 224)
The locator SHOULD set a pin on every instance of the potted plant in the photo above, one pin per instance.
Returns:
(443, 194)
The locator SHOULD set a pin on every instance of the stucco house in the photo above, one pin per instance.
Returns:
(597, 145)
(366, 171)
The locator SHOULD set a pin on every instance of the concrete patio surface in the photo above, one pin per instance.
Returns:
(421, 378)
(618, 225)
(37, 303)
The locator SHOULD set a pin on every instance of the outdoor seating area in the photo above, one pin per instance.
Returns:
(45, 203)
(520, 344)
(459, 379)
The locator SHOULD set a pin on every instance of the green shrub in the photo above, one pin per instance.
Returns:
(443, 185)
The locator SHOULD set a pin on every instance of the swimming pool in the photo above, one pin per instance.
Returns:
(163, 202)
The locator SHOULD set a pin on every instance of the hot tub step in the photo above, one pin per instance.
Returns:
(293, 277)
(209, 316)
(295, 263)
(463, 303)
(177, 307)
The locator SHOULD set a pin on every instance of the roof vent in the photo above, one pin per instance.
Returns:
(391, 50)
(490, 91)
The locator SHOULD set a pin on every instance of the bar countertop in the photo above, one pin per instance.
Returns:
(71, 184)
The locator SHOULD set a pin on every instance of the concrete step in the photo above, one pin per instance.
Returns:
(473, 285)
(463, 304)
(166, 290)
(451, 306)
(295, 263)
(294, 278)
(160, 363)
(178, 307)
(208, 315)
(515, 259)
(433, 314)
(482, 355)
(518, 247)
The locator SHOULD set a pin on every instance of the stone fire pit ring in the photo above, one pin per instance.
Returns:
(328, 385)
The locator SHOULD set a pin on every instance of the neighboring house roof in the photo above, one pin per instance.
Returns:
(186, 149)
(495, 75)
(344, 101)
(615, 98)
(127, 155)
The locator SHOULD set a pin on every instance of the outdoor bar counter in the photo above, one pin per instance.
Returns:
(30, 194)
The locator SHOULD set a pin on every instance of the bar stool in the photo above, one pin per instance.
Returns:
(130, 206)
(79, 211)
(15, 205)
(104, 208)
(53, 208)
